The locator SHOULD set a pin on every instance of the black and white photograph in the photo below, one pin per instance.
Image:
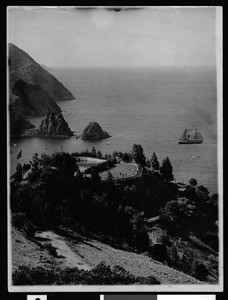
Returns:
(114, 130)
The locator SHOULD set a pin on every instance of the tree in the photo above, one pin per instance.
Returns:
(199, 271)
(95, 177)
(166, 169)
(174, 258)
(154, 162)
(148, 163)
(193, 182)
(68, 166)
(138, 155)
(202, 191)
(110, 177)
(78, 175)
(94, 152)
(18, 174)
(115, 154)
(99, 155)
(35, 160)
(175, 216)
(126, 157)
(45, 159)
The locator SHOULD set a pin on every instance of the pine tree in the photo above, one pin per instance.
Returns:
(94, 152)
(138, 155)
(95, 177)
(110, 177)
(154, 162)
(166, 169)
(99, 155)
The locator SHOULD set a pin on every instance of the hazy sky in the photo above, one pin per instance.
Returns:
(63, 37)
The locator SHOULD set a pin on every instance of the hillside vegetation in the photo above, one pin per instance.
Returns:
(57, 195)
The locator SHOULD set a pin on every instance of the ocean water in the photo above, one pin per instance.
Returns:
(144, 106)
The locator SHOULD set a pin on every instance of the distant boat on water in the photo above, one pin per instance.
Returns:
(191, 137)
(107, 142)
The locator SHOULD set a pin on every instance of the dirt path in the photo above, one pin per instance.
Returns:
(68, 258)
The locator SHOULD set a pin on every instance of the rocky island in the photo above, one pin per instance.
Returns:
(53, 125)
(93, 131)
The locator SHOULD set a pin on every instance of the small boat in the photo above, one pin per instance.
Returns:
(191, 137)
(45, 147)
(107, 142)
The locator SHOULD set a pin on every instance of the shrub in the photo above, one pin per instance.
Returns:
(52, 250)
(193, 182)
(101, 275)
(18, 220)
(199, 271)
(29, 229)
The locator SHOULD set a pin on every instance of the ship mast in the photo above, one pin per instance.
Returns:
(196, 135)
(184, 136)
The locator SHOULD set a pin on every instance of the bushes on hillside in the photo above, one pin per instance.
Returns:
(18, 220)
(22, 223)
(29, 229)
(100, 275)
(199, 271)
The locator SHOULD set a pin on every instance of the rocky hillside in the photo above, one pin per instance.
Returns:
(33, 90)
(93, 131)
(31, 100)
(74, 250)
(18, 124)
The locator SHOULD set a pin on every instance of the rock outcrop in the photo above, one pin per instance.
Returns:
(33, 90)
(18, 124)
(54, 125)
(93, 131)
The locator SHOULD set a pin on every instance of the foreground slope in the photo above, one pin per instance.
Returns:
(75, 250)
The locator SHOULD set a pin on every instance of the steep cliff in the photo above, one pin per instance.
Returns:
(18, 124)
(54, 125)
(33, 90)
(93, 131)
(31, 100)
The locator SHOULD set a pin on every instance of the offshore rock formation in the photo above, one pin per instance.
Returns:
(18, 124)
(33, 90)
(93, 131)
(54, 125)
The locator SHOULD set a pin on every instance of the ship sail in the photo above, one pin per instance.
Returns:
(196, 135)
(184, 135)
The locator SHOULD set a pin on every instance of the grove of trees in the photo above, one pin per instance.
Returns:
(56, 194)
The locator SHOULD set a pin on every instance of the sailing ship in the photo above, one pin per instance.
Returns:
(191, 137)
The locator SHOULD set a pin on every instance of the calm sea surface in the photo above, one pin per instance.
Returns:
(150, 107)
